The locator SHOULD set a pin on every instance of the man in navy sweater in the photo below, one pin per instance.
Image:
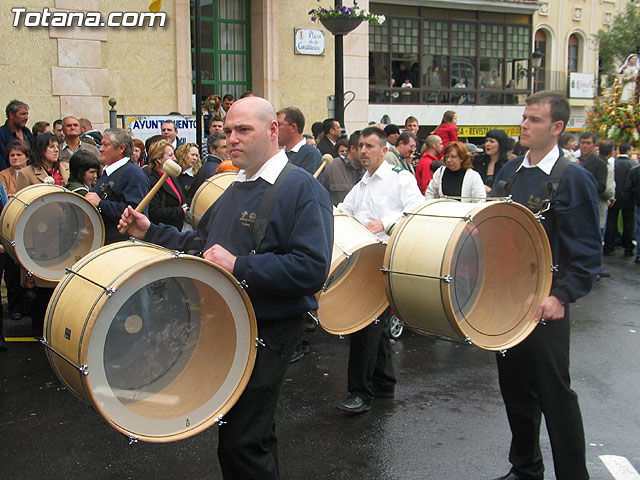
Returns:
(282, 275)
(299, 152)
(122, 183)
(534, 375)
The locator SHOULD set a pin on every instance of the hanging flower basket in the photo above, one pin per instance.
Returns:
(340, 26)
(342, 20)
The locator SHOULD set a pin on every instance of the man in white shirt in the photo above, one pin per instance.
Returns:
(169, 132)
(377, 202)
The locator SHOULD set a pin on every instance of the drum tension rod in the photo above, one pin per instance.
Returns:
(219, 421)
(503, 352)
(83, 369)
(243, 284)
(109, 291)
(314, 318)
(446, 278)
(346, 254)
(259, 341)
(132, 439)
(466, 218)
(554, 268)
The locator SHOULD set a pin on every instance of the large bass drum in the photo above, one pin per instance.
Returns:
(208, 193)
(47, 228)
(161, 344)
(469, 271)
(354, 293)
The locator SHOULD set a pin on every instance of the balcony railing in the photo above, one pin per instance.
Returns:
(543, 80)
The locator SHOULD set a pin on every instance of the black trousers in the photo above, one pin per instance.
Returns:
(39, 309)
(612, 228)
(15, 292)
(370, 366)
(534, 380)
(248, 447)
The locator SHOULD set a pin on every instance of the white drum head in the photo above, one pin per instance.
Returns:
(54, 231)
(169, 349)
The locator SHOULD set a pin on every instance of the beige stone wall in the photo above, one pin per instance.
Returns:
(26, 58)
(304, 81)
(62, 71)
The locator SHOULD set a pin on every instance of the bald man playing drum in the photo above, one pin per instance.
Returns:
(282, 272)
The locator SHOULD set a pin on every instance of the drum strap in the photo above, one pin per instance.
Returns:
(548, 188)
(264, 212)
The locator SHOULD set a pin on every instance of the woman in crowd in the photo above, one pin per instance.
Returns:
(139, 152)
(188, 157)
(42, 167)
(83, 167)
(44, 163)
(456, 178)
(448, 129)
(18, 153)
(488, 164)
(341, 148)
(168, 206)
(567, 142)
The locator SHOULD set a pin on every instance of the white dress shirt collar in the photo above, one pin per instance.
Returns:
(298, 145)
(109, 169)
(547, 162)
(269, 171)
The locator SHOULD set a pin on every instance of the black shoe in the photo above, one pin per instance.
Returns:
(354, 404)
(508, 476)
(15, 316)
(604, 274)
(297, 355)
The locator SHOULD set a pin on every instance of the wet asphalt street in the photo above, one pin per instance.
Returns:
(446, 422)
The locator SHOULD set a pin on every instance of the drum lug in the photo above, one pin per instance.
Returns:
(259, 341)
(468, 219)
(13, 243)
(503, 352)
(376, 321)
(467, 339)
(243, 284)
(554, 268)
(219, 420)
(447, 278)
(176, 255)
(29, 273)
(341, 336)
(132, 439)
(542, 321)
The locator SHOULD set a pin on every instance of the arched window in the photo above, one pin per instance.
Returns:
(573, 54)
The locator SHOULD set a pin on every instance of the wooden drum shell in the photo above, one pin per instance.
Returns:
(208, 193)
(499, 264)
(355, 296)
(18, 213)
(209, 379)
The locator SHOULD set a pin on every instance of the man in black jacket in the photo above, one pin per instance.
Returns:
(623, 165)
(299, 152)
(632, 194)
(15, 128)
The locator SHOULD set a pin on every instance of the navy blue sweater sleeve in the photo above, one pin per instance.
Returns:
(301, 265)
(578, 248)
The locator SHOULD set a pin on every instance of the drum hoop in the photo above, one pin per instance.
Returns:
(205, 184)
(98, 306)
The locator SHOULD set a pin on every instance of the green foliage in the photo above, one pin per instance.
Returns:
(620, 40)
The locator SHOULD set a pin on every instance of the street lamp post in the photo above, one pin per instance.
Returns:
(536, 63)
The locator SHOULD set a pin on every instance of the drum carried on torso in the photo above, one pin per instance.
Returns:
(208, 193)
(472, 272)
(161, 344)
(47, 228)
(354, 293)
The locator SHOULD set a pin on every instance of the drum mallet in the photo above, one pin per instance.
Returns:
(170, 168)
(326, 159)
